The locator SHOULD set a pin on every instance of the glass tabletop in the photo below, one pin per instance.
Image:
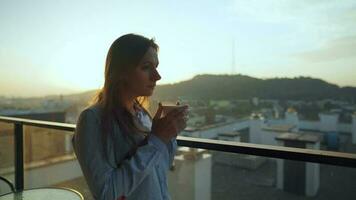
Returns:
(44, 194)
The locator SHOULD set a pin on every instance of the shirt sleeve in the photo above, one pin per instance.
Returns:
(104, 180)
(172, 148)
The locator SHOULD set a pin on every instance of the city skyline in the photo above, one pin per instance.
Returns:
(60, 47)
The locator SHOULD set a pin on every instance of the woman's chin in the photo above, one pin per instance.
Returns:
(148, 92)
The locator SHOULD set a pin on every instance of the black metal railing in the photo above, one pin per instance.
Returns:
(297, 154)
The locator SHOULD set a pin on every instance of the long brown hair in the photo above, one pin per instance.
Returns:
(123, 57)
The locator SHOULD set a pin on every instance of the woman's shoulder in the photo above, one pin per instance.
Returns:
(91, 112)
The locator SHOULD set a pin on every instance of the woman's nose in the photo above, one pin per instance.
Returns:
(156, 75)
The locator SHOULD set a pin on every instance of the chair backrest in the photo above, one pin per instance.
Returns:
(7, 182)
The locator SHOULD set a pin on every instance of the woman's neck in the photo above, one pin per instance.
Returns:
(128, 102)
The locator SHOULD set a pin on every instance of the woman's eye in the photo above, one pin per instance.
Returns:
(146, 67)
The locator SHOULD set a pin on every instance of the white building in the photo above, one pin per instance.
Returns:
(328, 122)
(292, 118)
(190, 178)
(229, 136)
(301, 178)
(256, 123)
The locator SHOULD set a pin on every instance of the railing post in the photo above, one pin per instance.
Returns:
(19, 164)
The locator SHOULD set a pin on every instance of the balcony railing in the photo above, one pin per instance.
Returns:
(296, 154)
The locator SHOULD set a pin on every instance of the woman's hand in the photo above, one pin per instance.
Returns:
(170, 125)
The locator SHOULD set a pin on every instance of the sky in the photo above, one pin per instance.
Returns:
(59, 46)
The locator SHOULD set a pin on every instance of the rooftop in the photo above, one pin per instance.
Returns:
(301, 137)
(279, 128)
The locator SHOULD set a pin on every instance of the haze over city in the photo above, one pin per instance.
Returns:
(59, 47)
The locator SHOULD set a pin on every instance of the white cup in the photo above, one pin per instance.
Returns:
(168, 108)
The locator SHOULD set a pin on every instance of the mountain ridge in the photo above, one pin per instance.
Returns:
(219, 87)
(207, 86)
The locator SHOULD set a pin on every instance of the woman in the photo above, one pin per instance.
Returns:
(122, 151)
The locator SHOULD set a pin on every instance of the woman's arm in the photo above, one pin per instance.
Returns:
(172, 148)
(105, 181)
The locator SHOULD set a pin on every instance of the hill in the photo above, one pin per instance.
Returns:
(219, 87)
(243, 87)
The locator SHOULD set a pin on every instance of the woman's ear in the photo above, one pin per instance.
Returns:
(122, 78)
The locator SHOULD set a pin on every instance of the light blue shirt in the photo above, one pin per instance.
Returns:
(143, 176)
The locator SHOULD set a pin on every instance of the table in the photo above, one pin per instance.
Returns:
(47, 193)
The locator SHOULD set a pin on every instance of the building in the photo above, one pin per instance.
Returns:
(301, 178)
(190, 177)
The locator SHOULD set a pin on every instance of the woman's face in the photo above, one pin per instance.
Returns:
(142, 80)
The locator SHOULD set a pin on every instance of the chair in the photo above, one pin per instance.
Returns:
(8, 183)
